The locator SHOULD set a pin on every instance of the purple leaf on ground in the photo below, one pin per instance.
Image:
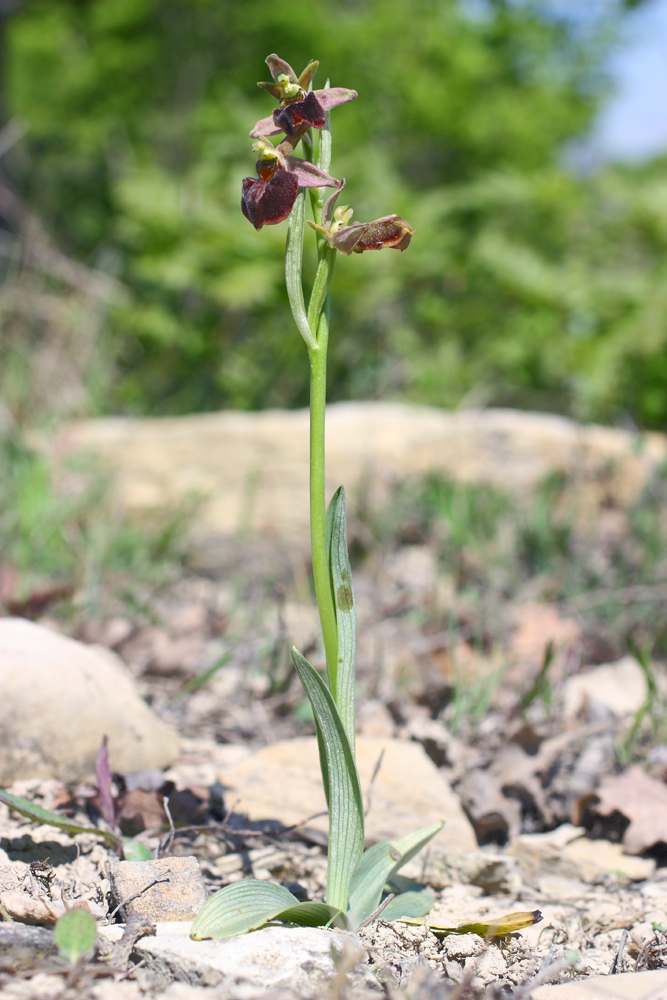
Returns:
(104, 782)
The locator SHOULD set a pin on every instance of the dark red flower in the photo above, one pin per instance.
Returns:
(295, 116)
(389, 232)
(268, 198)
(300, 107)
(266, 201)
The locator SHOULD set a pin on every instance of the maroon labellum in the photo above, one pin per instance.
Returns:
(268, 201)
(298, 115)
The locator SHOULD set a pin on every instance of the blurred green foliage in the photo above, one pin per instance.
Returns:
(525, 284)
(62, 536)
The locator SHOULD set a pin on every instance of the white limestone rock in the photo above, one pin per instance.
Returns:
(58, 697)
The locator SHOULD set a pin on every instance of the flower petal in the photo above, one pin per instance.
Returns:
(265, 126)
(300, 115)
(278, 66)
(391, 231)
(308, 174)
(333, 96)
(327, 99)
(266, 203)
(306, 78)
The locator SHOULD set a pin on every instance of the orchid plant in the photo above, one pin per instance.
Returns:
(356, 880)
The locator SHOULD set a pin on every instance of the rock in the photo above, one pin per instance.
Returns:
(23, 947)
(259, 479)
(496, 874)
(294, 958)
(649, 985)
(612, 689)
(566, 852)
(29, 909)
(58, 698)
(179, 895)
(597, 857)
(282, 782)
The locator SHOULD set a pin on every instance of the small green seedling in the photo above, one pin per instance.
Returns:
(355, 880)
(75, 934)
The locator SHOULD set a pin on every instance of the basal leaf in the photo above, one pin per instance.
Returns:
(342, 685)
(346, 814)
(240, 907)
(135, 850)
(408, 904)
(27, 808)
(378, 864)
(312, 914)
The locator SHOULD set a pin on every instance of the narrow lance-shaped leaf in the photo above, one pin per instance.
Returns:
(342, 683)
(380, 863)
(346, 813)
(27, 808)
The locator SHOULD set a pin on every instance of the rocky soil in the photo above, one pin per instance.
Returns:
(532, 727)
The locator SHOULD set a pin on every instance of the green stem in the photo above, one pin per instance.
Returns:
(318, 532)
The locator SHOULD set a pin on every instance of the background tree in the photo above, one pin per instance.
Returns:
(524, 284)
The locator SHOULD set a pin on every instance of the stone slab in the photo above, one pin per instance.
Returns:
(23, 947)
(282, 782)
(294, 958)
(179, 895)
(252, 468)
(648, 985)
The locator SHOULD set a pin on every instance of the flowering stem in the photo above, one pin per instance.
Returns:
(317, 356)
(314, 328)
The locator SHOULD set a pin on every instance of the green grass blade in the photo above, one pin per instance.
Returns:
(380, 863)
(27, 808)
(346, 813)
(239, 908)
(342, 685)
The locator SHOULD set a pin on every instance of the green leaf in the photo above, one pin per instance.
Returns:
(240, 907)
(135, 850)
(380, 863)
(408, 904)
(500, 927)
(75, 933)
(311, 914)
(32, 811)
(346, 813)
(293, 267)
(342, 685)
(248, 905)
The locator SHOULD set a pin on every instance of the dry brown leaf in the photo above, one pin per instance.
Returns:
(642, 800)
